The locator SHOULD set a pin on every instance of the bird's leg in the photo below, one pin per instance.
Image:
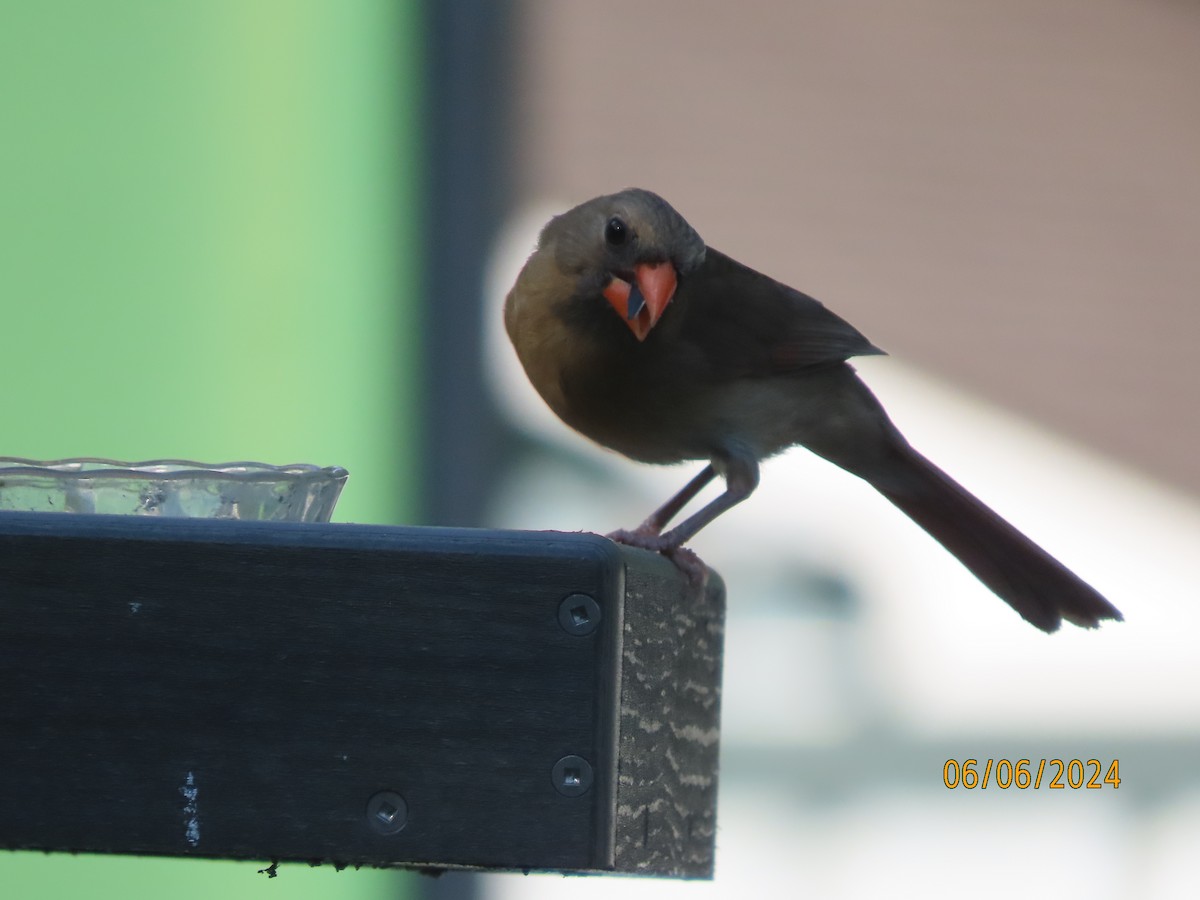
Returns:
(658, 519)
(741, 478)
(648, 535)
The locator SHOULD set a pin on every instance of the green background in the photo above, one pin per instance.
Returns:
(209, 249)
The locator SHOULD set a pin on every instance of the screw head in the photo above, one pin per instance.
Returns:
(572, 776)
(579, 614)
(387, 812)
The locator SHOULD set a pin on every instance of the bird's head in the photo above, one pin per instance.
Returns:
(631, 248)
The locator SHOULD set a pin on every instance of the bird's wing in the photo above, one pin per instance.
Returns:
(746, 324)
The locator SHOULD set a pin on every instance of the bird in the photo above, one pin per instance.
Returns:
(646, 340)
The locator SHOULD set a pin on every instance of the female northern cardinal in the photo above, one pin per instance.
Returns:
(649, 342)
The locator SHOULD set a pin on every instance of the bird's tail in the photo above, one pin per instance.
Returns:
(1040, 588)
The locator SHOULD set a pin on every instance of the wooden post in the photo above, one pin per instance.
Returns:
(355, 695)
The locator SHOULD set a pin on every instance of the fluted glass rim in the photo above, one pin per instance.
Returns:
(87, 467)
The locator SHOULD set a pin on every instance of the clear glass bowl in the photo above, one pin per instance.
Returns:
(171, 487)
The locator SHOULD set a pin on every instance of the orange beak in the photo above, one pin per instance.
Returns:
(642, 303)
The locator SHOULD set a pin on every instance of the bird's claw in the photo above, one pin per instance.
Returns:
(687, 561)
(641, 538)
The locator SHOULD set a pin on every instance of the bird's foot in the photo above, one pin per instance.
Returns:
(640, 537)
(684, 559)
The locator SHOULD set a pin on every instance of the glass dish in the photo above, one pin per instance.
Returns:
(171, 487)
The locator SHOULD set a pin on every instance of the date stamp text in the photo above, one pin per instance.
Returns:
(1031, 774)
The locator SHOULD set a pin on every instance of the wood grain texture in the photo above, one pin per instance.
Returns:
(669, 739)
(241, 690)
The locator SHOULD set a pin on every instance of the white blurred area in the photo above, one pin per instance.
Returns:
(860, 656)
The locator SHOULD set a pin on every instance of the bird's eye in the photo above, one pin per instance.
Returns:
(616, 232)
